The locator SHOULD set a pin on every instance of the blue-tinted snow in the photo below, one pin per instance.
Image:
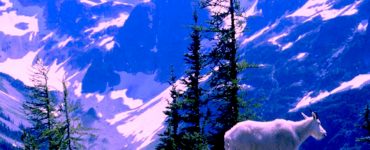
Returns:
(337, 53)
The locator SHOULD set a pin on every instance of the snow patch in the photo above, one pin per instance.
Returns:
(259, 33)
(308, 100)
(251, 10)
(88, 95)
(100, 115)
(65, 42)
(129, 2)
(362, 26)
(118, 22)
(56, 75)
(133, 123)
(106, 40)
(274, 39)
(109, 46)
(115, 3)
(357, 82)
(311, 8)
(108, 43)
(300, 56)
(130, 102)
(99, 97)
(9, 20)
(92, 3)
(287, 46)
(21, 69)
(301, 36)
(323, 8)
(7, 4)
(47, 36)
(290, 44)
(137, 125)
(77, 86)
(338, 52)
(351, 9)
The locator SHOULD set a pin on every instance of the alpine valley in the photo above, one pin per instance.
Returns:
(116, 54)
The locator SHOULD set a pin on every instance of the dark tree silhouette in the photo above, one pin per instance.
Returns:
(169, 139)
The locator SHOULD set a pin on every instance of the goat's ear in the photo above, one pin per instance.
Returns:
(314, 115)
(304, 115)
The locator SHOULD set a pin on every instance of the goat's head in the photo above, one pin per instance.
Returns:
(318, 132)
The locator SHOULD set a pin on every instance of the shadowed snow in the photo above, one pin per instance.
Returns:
(11, 105)
(130, 102)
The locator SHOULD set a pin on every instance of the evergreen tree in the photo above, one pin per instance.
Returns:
(40, 111)
(366, 125)
(74, 133)
(52, 128)
(169, 138)
(224, 61)
(192, 132)
(67, 111)
(29, 141)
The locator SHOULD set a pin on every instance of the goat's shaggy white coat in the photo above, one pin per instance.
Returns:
(274, 135)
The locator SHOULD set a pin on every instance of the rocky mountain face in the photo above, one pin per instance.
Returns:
(116, 55)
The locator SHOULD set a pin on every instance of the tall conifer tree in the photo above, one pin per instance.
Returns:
(51, 128)
(193, 100)
(366, 125)
(224, 61)
(170, 138)
(67, 110)
(40, 110)
(74, 134)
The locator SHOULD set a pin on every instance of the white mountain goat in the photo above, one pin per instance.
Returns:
(274, 135)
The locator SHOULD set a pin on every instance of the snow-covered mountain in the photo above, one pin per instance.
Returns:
(115, 55)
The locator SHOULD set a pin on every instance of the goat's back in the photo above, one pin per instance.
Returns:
(253, 135)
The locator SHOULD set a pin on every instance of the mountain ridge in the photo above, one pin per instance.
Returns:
(116, 56)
